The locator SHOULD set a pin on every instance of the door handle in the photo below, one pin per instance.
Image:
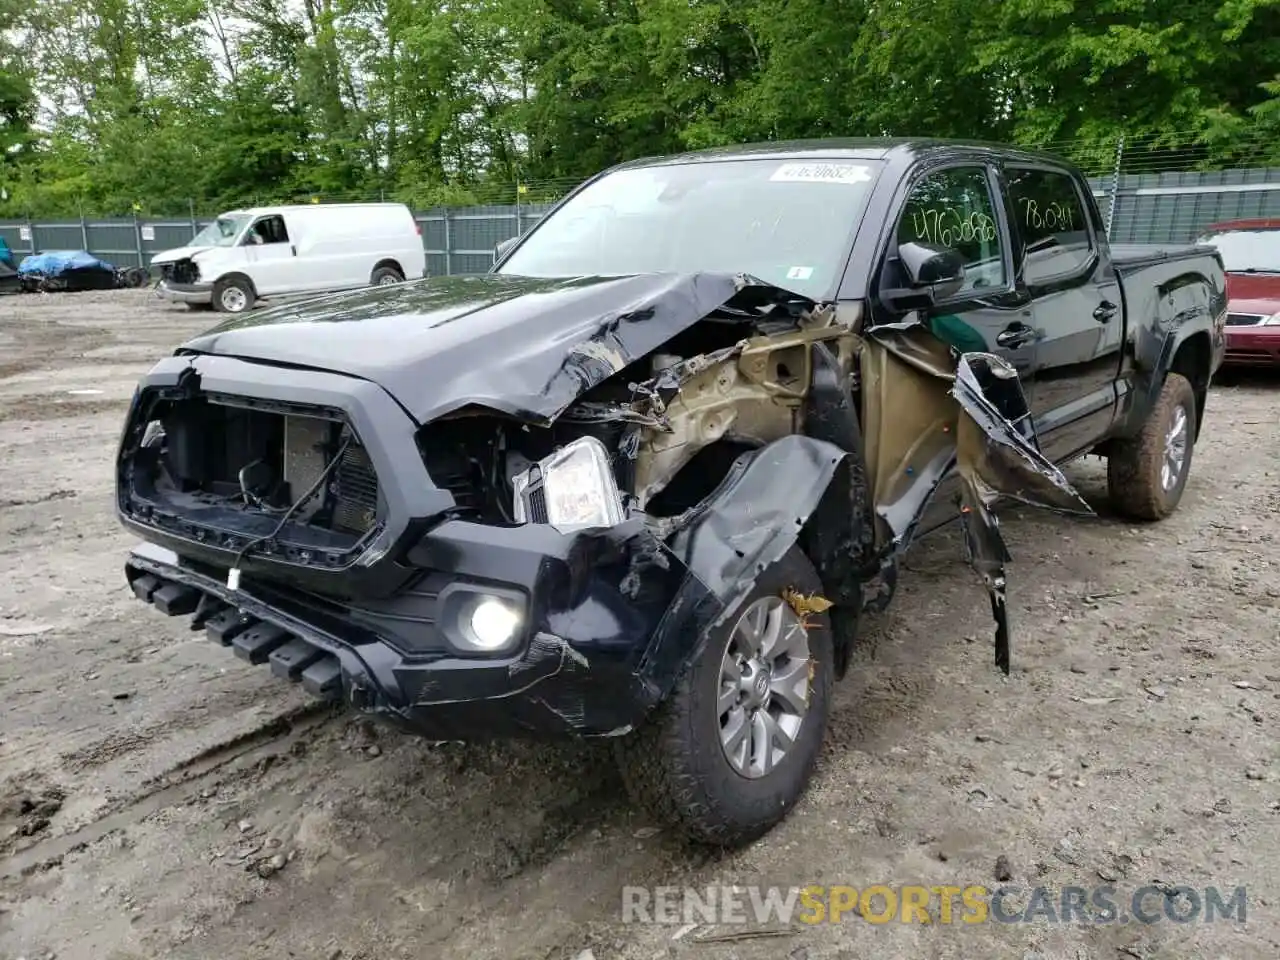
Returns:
(1015, 335)
(1105, 311)
(294, 251)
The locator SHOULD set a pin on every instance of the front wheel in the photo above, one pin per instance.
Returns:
(232, 295)
(1147, 474)
(732, 750)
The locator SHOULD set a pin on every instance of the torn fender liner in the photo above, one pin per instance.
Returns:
(753, 519)
(526, 346)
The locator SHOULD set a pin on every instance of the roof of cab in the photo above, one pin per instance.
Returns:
(851, 148)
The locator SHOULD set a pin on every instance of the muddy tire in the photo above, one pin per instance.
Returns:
(708, 762)
(1147, 474)
(233, 295)
(386, 275)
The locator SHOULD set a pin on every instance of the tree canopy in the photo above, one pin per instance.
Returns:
(113, 105)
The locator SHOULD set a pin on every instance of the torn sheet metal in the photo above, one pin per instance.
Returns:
(1001, 451)
(929, 409)
(759, 513)
(908, 424)
(996, 458)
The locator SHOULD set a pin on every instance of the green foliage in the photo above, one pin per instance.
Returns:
(107, 106)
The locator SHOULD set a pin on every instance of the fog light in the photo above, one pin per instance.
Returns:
(493, 624)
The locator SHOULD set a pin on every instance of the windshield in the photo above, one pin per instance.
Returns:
(1247, 251)
(785, 222)
(222, 232)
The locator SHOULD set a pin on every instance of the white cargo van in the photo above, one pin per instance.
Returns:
(250, 255)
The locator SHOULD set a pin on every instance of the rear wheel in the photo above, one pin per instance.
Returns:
(1147, 474)
(233, 295)
(731, 751)
(385, 276)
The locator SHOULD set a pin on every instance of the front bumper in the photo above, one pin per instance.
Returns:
(592, 662)
(185, 292)
(1253, 347)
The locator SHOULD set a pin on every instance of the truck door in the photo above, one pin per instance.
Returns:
(956, 207)
(960, 207)
(1076, 306)
(272, 265)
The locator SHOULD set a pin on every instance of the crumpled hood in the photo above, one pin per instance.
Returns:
(519, 345)
(178, 253)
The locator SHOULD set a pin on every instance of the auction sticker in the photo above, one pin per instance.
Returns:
(822, 173)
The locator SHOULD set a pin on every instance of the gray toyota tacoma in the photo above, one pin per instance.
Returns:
(641, 480)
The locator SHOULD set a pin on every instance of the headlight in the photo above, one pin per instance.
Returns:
(572, 488)
(1271, 321)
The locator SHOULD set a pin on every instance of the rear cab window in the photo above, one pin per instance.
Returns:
(1051, 221)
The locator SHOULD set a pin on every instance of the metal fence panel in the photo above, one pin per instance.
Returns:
(1148, 208)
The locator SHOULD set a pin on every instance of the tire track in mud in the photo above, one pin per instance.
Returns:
(245, 750)
(35, 346)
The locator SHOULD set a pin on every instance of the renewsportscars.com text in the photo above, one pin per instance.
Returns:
(906, 903)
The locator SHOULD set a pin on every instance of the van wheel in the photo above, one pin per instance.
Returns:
(1147, 474)
(733, 748)
(385, 276)
(232, 295)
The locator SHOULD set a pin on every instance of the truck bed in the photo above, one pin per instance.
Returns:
(1131, 256)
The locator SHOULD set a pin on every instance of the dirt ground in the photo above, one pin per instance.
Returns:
(148, 778)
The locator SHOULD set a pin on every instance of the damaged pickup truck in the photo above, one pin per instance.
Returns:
(641, 480)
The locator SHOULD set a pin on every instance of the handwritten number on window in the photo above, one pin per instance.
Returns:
(950, 227)
(1054, 218)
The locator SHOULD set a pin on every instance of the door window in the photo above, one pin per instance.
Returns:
(954, 208)
(1053, 225)
(267, 230)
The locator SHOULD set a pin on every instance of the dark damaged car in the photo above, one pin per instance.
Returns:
(642, 479)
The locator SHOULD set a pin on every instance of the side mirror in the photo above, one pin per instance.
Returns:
(939, 271)
(501, 249)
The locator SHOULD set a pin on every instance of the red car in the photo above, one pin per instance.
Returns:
(1251, 254)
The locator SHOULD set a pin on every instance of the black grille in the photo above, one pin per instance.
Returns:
(1243, 320)
(355, 490)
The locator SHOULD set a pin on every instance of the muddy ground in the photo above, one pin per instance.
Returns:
(148, 778)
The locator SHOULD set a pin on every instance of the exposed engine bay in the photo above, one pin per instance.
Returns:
(184, 271)
(671, 425)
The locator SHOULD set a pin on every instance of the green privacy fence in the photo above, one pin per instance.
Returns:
(1141, 208)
